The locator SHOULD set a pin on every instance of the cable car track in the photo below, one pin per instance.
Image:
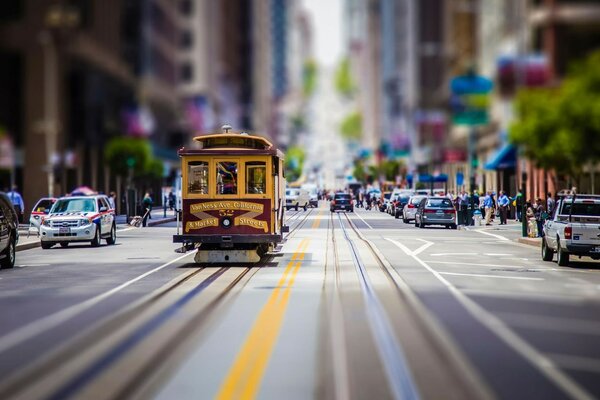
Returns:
(15, 385)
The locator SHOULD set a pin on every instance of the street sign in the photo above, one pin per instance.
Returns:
(470, 99)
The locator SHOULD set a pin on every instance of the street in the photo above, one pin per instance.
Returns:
(359, 305)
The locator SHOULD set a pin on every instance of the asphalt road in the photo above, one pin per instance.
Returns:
(359, 305)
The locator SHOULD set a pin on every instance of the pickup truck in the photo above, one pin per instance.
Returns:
(573, 229)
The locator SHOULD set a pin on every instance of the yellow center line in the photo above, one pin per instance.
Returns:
(245, 375)
(315, 224)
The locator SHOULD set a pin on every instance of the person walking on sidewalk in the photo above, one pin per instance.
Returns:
(550, 203)
(503, 203)
(488, 205)
(17, 202)
(147, 208)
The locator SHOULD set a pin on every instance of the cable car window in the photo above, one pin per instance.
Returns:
(198, 177)
(256, 177)
(227, 174)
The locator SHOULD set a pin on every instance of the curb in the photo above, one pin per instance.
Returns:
(529, 241)
(27, 246)
(162, 221)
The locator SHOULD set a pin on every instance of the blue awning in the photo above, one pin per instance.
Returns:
(426, 178)
(504, 158)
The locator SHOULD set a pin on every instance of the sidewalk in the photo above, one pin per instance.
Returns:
(33, 241)
(512, 231)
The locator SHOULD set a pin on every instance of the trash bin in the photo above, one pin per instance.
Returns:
(477, 218)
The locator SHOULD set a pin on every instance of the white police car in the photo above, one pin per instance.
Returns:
(79, 219)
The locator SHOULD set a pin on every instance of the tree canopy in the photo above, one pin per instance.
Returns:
(294, 163)
(344, 82)
(123, 152)
(559, 128)
(351, 126)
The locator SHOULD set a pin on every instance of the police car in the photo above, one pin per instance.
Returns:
(79, 219)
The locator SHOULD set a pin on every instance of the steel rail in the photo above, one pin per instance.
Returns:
(391, 354)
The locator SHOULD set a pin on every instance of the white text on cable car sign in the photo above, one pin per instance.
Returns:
(227, 205)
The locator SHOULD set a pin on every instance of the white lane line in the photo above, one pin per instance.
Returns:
(497, 254)
(450, 254)
(36, 327)
(493, 276)
(490, 234)
(551, 324)
(496, 325)
(362, 219)
(578, 363)
(424, 247)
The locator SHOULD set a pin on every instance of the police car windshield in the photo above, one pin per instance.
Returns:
(73, 205)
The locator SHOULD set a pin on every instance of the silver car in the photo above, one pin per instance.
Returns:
(435, 211)
(410, 209)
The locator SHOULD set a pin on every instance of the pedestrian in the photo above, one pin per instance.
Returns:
(17, 202)
(147, 208)
(503, 203)
(488, 204)
(112, 200)
(540, 216)
(171, 200)
(550, 203)
(519, 203)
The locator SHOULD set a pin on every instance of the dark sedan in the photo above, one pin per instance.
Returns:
(342, 202)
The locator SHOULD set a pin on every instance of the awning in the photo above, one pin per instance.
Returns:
(504, 158)
(426, 178)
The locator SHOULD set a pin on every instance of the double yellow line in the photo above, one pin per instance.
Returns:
(315, 224)
(245, 375)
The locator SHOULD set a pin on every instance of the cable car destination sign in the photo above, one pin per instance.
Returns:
(226, 209)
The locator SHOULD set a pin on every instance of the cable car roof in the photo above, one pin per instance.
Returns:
(233, 140)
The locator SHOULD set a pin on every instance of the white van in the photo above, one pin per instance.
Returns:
(295, 198)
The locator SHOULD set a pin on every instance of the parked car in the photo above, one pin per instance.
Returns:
(385, 200)
(313, 193)
(79, 219)
(435, 211)
(295, 198)
(41, 208)
(342, 202)
(410, 209)
(399, 204)
(574, 228)
(9, 232)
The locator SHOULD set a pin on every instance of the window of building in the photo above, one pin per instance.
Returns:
(256, 177)
(187, 72)
(227, 174)
(187, 40)
(197, 177)
(185, 6)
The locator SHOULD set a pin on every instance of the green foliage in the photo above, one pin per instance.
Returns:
(351, 126)
(122, 151)
(560, 128)
(344, 82)
(309, 78)
(294, 162)
(359, 171)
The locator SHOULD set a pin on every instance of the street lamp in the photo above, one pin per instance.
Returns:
(58, 21)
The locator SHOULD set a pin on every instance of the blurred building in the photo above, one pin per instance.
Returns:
(73, 74)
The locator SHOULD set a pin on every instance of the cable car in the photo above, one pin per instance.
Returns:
(233, 198)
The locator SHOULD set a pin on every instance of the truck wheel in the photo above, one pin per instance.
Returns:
(46, 245)
(64, 244)
(296, 208)
(562, 256)
(547, 252)
(305, 207)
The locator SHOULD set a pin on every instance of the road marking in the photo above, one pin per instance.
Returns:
(497, 254)
(493, 276)
(449, 254)
(497, 326)
(362, 219)
(490, 234)
(317, 221)
(422, 248)
(51, 321)
(244, 378)
(554, 324)
(578, 363)
(460, 263)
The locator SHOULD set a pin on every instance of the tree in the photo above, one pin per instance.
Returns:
(309, 78)
(351, 126)
(344, 83)
(122, 153)
(559, 127)
(294, 163)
